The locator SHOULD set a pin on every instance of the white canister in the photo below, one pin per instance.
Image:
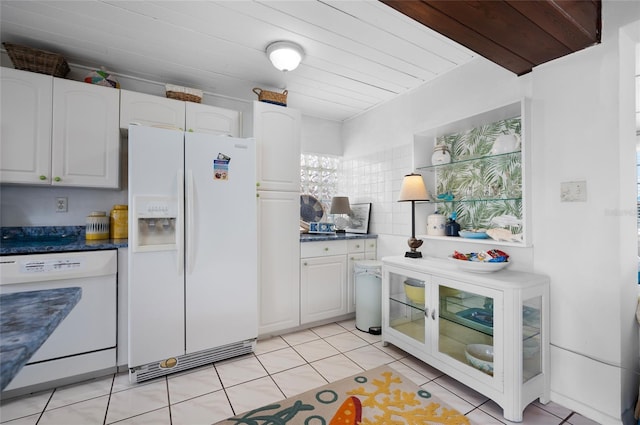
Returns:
(436, 224)
(440, 155)
(97, 225)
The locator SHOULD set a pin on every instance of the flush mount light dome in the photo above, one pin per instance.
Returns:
(285, 55)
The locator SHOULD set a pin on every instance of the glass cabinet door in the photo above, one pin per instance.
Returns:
(406, 305)
(466, 327)
(531, 338)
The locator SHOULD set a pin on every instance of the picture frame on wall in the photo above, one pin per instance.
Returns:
(359, 217)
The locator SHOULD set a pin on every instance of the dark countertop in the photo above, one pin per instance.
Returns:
(316, 237)
(48, 239)
(27, 320)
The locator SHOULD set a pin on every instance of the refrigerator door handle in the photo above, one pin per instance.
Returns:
(179, 224)
(190, 232)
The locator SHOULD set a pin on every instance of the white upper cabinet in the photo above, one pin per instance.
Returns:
(85, 137)
(150, 110)
(26, 127)
(212, 120)
(58, 132)
(277, 133)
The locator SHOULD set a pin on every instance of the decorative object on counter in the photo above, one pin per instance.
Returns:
(101, 77)
(506, 143)
(97, 226)
(413, 189)
(304, 227)
(321, 227)
(504, 235)
(436, 224)
(271, 96)
(452, 226)
(183, 93)
(119, 222)
(340, 207)
(441, 155)
(36, 60)
(474, 234)
(481, 262)
(310, 209)
(285, 55)
(446, 196)
(359, 218)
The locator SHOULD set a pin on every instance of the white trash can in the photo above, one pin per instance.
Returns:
(368, 282)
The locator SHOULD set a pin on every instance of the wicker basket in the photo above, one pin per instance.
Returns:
(183, 93)
(271, 96)
(35, 60)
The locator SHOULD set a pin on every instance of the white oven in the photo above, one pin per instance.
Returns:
(84, 344)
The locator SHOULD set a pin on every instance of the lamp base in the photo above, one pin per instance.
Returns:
(413, 254)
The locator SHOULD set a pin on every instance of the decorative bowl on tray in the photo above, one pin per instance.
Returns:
(471, 234)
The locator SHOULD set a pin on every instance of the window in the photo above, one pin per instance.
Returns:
(319, 177)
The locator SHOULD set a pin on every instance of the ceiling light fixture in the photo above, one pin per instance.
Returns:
(285, 55)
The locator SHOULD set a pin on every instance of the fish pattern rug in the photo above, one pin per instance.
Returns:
(380, 396)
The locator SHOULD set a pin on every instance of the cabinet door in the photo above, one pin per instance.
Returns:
(212, 120)
(26, 127)
(278, 261)
(150, 110)
(85, 138)
(469, 329)
(323, 288)
(405, 310)
(277, 133)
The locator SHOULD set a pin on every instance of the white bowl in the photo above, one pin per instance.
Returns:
(479, 266)
(480, 356)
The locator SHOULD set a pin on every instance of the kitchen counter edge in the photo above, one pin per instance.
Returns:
(320, 237)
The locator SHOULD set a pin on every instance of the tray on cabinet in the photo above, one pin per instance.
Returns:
(479, 319)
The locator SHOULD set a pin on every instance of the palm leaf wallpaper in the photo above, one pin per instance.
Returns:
(484, 185)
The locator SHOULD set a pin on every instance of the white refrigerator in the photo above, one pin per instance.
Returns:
(192, 250)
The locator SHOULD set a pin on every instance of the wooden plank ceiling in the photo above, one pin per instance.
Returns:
(515, 34)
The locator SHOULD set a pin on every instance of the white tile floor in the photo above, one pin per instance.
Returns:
(281, 367)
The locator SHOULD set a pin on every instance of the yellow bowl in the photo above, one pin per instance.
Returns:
(414, 290)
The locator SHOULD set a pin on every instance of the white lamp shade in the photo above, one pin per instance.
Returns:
(340, 205)
(285, 55)
(413, 189)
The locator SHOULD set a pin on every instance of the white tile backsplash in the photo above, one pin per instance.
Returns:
(376, 177)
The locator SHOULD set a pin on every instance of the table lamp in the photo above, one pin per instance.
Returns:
(413, 189)
(340, 205)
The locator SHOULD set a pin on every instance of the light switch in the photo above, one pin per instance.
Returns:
(573, 191)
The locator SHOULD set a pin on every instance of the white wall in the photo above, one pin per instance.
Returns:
(582, 129)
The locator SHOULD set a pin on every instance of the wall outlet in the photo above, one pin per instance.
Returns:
(573, 191)
(61, 204)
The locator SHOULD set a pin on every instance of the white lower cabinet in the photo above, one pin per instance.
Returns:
(487, 330)
(323, 288)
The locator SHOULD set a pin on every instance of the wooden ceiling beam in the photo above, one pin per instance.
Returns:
(516, 34)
